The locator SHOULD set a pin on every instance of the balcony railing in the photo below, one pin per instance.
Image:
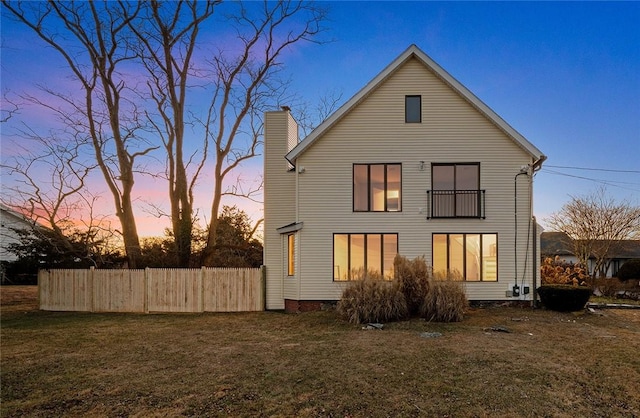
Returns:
(455, 204)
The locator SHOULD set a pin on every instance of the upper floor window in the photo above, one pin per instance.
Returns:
(456, 191)
(413, 109)
(377, 187)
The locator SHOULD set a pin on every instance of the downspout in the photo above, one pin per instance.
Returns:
(534, 263)
(523, 171)
(537, 165)
(299, 233)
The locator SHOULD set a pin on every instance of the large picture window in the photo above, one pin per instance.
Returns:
(470, 257)
(356, 256)
(456, 190)
(377, 187)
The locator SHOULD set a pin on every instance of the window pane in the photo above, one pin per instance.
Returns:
(291, 245)
(357, 257)
(374, 254)
(440, 254)
(413, 111)
(473, 257)
(393, 187)
(467, 177)
(377, 187)
(443, 176)
(360, 187)
(490, 257)
(340, 257)
(390, 252)
(456, 255)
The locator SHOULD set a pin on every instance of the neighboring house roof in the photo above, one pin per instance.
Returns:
(559, 243)
(414, 52)
(555, 243)
(629, 249)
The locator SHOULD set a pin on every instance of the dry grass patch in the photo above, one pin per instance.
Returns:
(273, 364)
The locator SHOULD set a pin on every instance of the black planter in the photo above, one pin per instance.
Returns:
(564, 298)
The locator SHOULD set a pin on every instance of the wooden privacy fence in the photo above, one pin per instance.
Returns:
(152, 290)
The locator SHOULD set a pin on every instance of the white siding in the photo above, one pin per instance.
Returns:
(375, 132)
(8, 222)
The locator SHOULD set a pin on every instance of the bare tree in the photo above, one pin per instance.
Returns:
(8, 109)
(247, 83)
(166, 42)
(104, 44)
(48, 184)
(309, 116)
(94, 42)
(596, 224)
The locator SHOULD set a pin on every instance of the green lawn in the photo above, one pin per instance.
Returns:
(313, 364)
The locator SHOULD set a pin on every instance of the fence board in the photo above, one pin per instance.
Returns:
(174, 290)
(232, 290)
(118, 291)
(65, 290)
(152, 290)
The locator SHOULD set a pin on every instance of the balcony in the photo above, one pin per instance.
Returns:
(455, 204)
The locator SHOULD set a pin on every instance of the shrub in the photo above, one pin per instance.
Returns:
(557, 271)
(372, 300)
(413, 278)
(630, 270)
(445, 301)
(564, 298)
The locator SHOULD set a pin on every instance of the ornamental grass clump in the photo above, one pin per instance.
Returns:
(446, 301)
(413, 293)
(372, 299)
(414, 279)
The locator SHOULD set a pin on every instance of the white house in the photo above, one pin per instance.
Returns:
(10, 221)
(413, 164)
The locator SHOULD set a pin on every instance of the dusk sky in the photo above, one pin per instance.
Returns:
(564, 75)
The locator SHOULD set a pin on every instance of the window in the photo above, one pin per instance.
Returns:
(291, 253)
(413, 109)
(615, 266)
(456, 191)
(377, 187)
(357, 255)
(471, 257)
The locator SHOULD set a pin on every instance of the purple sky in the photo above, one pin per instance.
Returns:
(565, 75)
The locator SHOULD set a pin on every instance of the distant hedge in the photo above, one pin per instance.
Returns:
(564, 298)
(630, 270)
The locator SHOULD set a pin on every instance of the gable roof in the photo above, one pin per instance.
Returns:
(414, 52)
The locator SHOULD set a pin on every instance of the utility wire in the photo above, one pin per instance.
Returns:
(605, 182)
(593, 169)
